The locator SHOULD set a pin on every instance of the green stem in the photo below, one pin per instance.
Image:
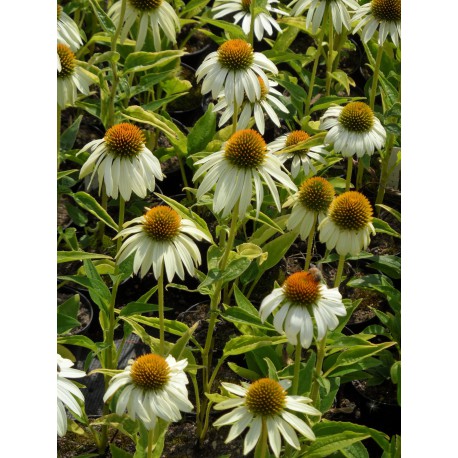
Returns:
(321, 350)
(251, 34)
(183, 175)
(114, 66)
(101, 224)
(234, 117)
(330, 53)
(308, 256)
(349, 172)
(160, 293)
(340, 41)
(122, 207)
(315, 67)
(384, 174)
(339, 271)
(261, 448)
(59, 111)
(378, 61)
(297, 366)
(150, 443)
(359, 174)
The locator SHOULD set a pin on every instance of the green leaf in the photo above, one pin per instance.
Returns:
(263, 218)
(325, 102)
(142, 61)
(325, 446)
(238, 316)
(98, 290)
(234, 269)
(234, 30)
(243, 344)
(71, 306)
(172, 326)
(202, 132)
(387, 264)
(135, 308)
(178, 349)
(69, 256)
(243, 302)
(356, 450)
(342, 78)
(358, 353)
(390, 210)
(389, 92)
(77, 216)
(66, 323)
(81, 341)
(104, 20)
(67, 139)
(86, 201)
(243, 372)
(65, 173)
(369, 281)
(117, 452)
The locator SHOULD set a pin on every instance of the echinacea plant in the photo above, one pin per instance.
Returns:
(246, 204)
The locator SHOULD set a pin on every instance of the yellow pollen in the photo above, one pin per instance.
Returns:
(162, 223)
(357, 117)
(386, 10)
(235, 54)
(316, 194)
(302, 288)
(125, 140)
(246, 149)
(150, 372)
(67, 61)
(295, 137)
(264, 89)
(351, 211)
(265, 397)
(145, 5)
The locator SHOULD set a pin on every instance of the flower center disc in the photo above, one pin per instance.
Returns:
(316, 194)
(150, 372)
(235, 54)
(162, 223)
(351, 211)
(265, 397)
(245, 149)
(145, 5)
(295, 137)
(386, 10)
(67, 61)
(124, 140)
(357, 117)
(302, 288)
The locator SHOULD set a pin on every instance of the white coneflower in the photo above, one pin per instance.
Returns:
(384, 15)
(67, 391)
(152, 387)
(353, 129)
(123, 162)
(67, 31)
(316, 9)
(161, 237)
(233, 68)
(242, 162)
(301, 158)
(302, 296)
(70, 77)
(265, 401)
(348, 225)
(265, 104)
(311, 203)
(263, 22)
(157, 13)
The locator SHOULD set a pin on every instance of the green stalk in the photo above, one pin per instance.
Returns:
(114, 66)
(359, 174)
(150, 443)
(349, 172)
(297, 366)
(122, 207)
(315, 66)
(378, 61)
(59, 111)
(308, 256)
(160, 293)
(384, 174)
(251, 34)
(321, 350)
(234, 117)
(261, 447)
(339, 271)
(330, 52)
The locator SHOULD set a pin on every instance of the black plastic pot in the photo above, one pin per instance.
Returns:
(86, 310)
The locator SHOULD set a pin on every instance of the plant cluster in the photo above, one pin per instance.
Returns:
(293, 148)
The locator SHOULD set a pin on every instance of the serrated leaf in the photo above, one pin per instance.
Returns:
(86, 201)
